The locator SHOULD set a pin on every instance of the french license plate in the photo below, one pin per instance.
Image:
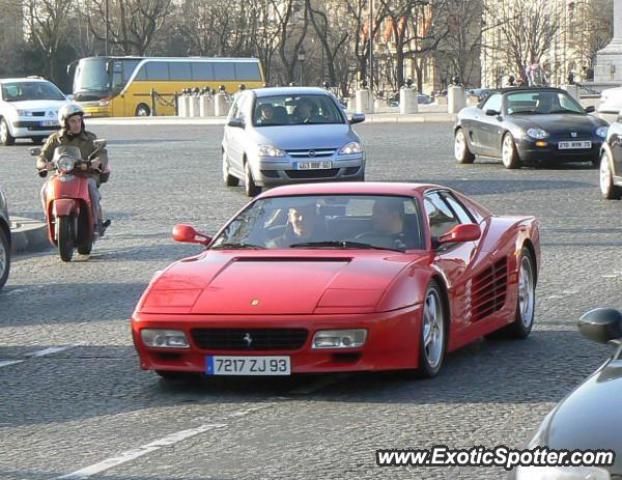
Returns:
(314, 165)
(49, 123)
(574, 145)
(247, 365)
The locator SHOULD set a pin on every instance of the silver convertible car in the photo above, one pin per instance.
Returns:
(278, 136)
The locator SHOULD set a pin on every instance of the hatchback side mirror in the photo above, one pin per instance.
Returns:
(463, 233)
(356, 118)
(590, 109)
(187, 234)
(601, 325)
(237, 123)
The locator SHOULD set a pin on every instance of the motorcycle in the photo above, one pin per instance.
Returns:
(68, 206)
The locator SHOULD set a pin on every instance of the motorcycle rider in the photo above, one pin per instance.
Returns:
(73, 133)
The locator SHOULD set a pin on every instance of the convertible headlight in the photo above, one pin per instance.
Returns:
(561, 473)
(154, 337)
(270, 151)
(350, 148)
(65, 164)
(340, 338)
(537, 133)
(602, 132)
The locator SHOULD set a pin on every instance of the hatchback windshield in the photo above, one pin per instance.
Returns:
(326, 221)
(20, 91)
(544, 102)
(296, 110)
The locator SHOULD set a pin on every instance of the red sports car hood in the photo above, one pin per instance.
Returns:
(259, 283)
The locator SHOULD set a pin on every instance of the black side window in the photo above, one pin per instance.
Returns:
(459, 209)
(440, 217)
(493, 103)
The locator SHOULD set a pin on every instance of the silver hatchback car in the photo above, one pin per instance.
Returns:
(278, 136)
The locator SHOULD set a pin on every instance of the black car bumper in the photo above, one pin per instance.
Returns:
(531, 152)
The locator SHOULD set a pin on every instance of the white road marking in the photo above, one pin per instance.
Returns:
(167, 441)
(48, 351)
(6, 363)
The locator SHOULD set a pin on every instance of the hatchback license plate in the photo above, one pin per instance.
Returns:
(314, 165)
(574, 145)
(49, 123)
(247, 365)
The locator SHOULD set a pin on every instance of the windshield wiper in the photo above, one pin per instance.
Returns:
(234, 245)
(565, 110)
(343, 244)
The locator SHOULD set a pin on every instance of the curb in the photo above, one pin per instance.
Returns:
(28, 235)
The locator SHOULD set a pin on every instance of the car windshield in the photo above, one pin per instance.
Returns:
(278, 110)
(326, 222)
(20, 91)
(541, 103)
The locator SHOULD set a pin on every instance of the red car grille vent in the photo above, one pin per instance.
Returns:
(489, 290)
(249, 338)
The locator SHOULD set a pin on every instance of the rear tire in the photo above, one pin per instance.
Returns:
(5, 258)
(250, 188)
(6, 138)
(462, 154)
(509, 155)
(65, 238)
(608, 189)
(143, 110)
(230, 180)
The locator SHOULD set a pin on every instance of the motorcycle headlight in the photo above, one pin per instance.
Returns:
(350, 148)
(65, 164)
(24, 113)
(270, 151)
(602, 132)
(561, 473)
(537, 133)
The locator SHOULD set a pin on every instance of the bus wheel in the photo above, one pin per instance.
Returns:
(143, 110)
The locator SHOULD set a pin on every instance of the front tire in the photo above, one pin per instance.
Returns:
(65, 238)
(608, 189)
(462, 154)
(250, 188)
(5, 258)
(509, 154)
(433, 334)
(6, 138)
(228, 179)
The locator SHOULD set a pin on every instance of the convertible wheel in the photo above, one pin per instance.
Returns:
(509, 155)
(250, 188)
(608, 189)
(230, 180)
(433, 338)
(461, 149)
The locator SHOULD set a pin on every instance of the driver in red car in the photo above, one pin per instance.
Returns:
(387, 220)
(303, 225)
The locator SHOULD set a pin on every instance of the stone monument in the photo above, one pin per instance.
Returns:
(609, 59)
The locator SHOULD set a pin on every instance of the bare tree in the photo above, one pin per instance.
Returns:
(292, 32)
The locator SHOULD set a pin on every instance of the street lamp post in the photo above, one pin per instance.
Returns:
(301, 59)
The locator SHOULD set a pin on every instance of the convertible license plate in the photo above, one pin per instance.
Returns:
(247, 365)
(314, 165)
(574, 145)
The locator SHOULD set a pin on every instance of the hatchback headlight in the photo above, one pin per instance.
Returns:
(537, 133)
(65, 164)
(155, 337)
(350, 148)
(270, 151)
(602, 132)
(561, 473)
(24, 113)
(340, 338)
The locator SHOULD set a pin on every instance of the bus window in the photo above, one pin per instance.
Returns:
(128, 69)
(157, 71)
(202, 71)
(179, 70)
(247, 71)
(224, 71)
(142, 73)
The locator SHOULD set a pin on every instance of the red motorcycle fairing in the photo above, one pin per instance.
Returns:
(65, 207)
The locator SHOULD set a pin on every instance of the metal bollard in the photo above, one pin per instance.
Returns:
(183, 103)
(206, 104)
(193, 110)
(221, 107)
(362, 101)
(456, 99)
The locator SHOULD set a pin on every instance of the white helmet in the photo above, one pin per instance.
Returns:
(68, 110)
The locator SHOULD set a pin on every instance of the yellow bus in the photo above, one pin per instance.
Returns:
(142, 86)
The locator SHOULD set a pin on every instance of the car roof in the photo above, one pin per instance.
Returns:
(530, 89)
(351, 188)
(23, 79)
(269, 91)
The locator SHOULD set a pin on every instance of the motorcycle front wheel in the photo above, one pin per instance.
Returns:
(65, 238)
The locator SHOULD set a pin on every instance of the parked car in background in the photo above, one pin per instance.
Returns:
(5, 240)
(529, 126)
(610, 100)
(611, 163)
(28, 109)
(278, 136)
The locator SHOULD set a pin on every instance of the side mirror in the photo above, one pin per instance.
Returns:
(356, 118)
(601, 325)
(492, 113)
(187, 234)
(100, 143)
(467, 232)
(237, 123)
(590, 109)
(35, 152)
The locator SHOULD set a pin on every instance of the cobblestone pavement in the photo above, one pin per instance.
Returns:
(76, 407)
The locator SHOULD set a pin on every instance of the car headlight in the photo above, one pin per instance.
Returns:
(561, 473)
(270, 151)
(350, 148)
(537, 133)
(155, 337)
(24, 113)
(602, 132)
(65, 164)
(340, 338)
